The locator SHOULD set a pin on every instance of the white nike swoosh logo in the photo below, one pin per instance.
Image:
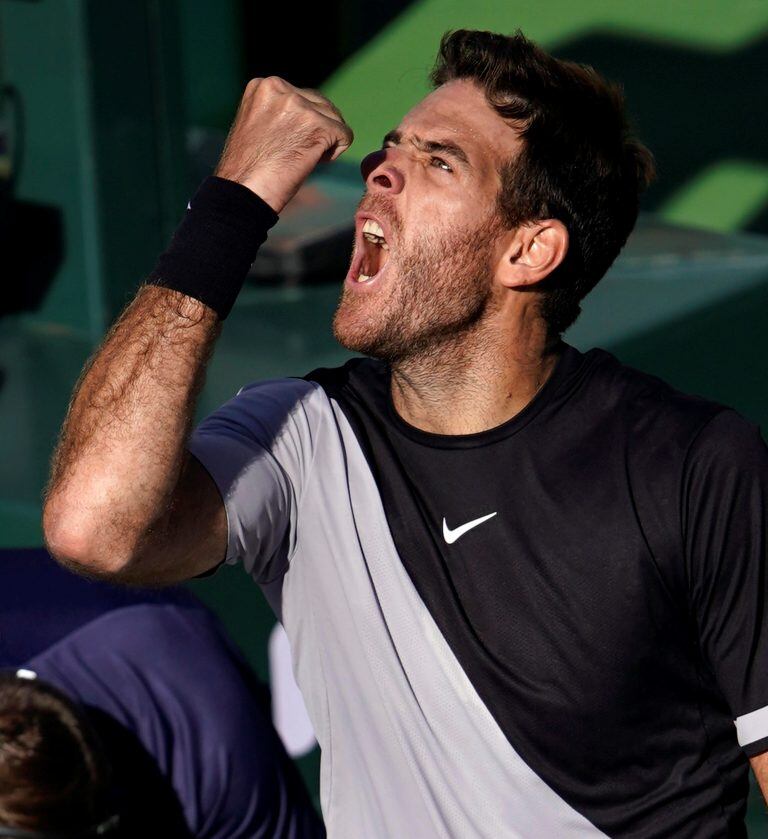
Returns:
(451, 536)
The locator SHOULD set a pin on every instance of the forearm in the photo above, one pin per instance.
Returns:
(760, 768)
(121, 447)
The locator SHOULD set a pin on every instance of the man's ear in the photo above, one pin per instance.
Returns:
(532, 252)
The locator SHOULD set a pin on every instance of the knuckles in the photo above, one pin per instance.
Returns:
(284, 111)
(295, 101)
(274, 83)
(265, 87)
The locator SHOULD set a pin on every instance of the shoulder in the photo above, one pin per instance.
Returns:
(356, 375)
(730, 446)
(271, 401)
(671, 434)
(262, 411)
(275, 396)
(137, 647)
(144, 637)
(651, 409)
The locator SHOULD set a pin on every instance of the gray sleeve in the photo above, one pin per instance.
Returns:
(258, 448)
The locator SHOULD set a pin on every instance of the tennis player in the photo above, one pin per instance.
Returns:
(525, 586)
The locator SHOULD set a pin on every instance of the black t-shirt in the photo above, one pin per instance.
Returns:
(598, 566)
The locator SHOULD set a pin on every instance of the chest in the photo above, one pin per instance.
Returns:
(542, 554)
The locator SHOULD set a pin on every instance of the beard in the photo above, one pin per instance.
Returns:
(439, 286)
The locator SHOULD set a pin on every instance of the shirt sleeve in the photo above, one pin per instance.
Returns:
(725, 490)
(258, 448)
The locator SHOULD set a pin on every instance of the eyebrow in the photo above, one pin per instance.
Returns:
(429, 146)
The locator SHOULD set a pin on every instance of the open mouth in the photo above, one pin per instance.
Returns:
(372, 253)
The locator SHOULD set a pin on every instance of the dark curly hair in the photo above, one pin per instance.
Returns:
(579, 163)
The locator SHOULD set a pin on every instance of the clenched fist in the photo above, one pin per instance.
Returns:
(279, 135)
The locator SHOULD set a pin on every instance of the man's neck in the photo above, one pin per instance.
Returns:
(474, 383)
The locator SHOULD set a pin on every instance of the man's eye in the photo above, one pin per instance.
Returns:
(440, 164)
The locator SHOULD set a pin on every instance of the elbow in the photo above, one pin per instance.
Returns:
(81, 542)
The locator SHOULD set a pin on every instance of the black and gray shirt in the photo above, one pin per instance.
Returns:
(547, 629)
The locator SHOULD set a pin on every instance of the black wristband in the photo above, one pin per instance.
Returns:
(215, 244)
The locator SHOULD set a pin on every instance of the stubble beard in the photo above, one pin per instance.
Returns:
(438, 290)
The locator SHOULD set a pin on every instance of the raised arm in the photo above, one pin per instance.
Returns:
(125, 499)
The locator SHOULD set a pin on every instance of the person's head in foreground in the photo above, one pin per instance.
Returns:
(53, 777)
(502, 198)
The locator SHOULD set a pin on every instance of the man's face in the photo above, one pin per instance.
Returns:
(431, 192)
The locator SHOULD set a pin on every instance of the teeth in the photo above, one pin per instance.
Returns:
(361, 278)
(374, 227)
(376, 240)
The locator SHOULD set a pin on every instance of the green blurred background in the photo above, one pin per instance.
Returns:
(112, 111)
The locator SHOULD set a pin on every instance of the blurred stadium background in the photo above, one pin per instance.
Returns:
(111, 112)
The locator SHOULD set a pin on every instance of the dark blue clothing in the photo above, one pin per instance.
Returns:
(185, 720)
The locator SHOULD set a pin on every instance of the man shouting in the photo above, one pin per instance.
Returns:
(525, 587)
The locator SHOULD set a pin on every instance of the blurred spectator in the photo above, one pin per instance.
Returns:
(182, 718)
(53, 773)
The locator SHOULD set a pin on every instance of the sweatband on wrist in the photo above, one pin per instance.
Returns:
(215, 244)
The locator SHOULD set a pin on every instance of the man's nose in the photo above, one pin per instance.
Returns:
(380, 172)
